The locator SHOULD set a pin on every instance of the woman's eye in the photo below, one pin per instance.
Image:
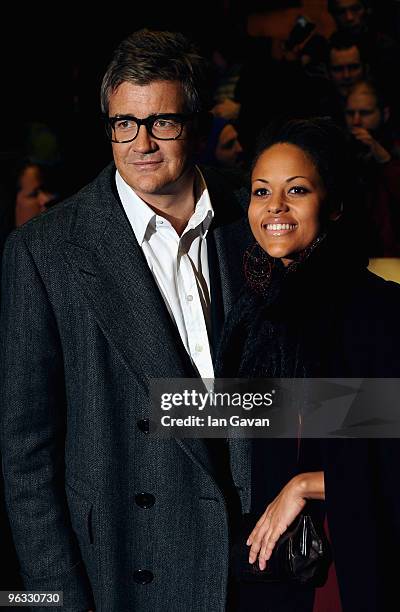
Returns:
(34, 193)
(261, 192)
(298, 189)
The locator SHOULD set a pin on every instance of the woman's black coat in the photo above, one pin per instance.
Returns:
(328, 316)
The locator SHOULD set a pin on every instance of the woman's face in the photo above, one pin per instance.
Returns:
(228, 149)
(32, 195)
(287, 196)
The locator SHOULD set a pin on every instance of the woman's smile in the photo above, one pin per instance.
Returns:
(286, 202)
(279, 229)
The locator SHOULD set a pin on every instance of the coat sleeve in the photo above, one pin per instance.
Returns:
(32, 428)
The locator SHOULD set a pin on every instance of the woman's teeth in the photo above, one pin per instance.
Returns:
(280, 226)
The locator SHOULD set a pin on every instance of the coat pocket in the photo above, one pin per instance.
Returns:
(81, 511)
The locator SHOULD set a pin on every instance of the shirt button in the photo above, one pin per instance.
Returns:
(142, 576)
(145, 500)
(198, 348)
(189, 298)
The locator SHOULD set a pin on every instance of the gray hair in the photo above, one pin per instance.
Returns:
(147, 55)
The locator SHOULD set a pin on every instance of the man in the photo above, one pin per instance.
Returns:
(380, 51)
(128, 280)
(349, 15)
(367, 114)
(378, 168)
(345, 63)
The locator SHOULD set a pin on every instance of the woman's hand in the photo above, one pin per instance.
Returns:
(281, 513)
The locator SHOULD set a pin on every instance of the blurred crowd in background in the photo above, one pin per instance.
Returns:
(337, 58)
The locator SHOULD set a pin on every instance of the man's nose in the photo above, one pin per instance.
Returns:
(346, 72)
(356, 119)
(349, 15)
(143, 142)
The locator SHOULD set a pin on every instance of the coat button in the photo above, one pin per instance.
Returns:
(144, 425)
(142, 576)
(145, 500)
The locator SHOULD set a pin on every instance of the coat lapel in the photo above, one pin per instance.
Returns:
(112, 272)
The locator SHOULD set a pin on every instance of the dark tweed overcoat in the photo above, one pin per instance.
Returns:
(100, 509)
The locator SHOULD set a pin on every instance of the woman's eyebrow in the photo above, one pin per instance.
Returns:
(291, 178)
(295, 177)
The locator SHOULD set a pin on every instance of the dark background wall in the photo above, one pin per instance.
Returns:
(53, 59)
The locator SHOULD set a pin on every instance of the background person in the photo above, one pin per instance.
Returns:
(222, 147)
(377, 167)
(36, 190)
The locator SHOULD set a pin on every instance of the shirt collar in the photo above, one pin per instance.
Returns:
(203, 211)
(140, 215)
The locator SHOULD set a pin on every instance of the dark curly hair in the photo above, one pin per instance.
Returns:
(324, 142)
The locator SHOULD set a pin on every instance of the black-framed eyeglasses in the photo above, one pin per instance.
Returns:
(164, 126)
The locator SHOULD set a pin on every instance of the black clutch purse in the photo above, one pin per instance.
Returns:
(301, 555)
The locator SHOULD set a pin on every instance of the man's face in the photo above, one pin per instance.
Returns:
(151, 166)
(346, 68)
(362, 111)
(349, 15)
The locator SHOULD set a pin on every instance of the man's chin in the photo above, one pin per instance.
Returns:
(142, 181)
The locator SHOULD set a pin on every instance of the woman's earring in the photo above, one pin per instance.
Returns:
(336, 214)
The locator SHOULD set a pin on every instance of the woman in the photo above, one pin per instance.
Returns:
(311, 309)
(27, 189)
(35, 191)
(222, 148)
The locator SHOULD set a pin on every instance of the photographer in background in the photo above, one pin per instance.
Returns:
(306, 46)
(292, 85)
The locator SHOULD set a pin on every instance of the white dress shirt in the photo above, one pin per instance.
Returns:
(179, 265)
